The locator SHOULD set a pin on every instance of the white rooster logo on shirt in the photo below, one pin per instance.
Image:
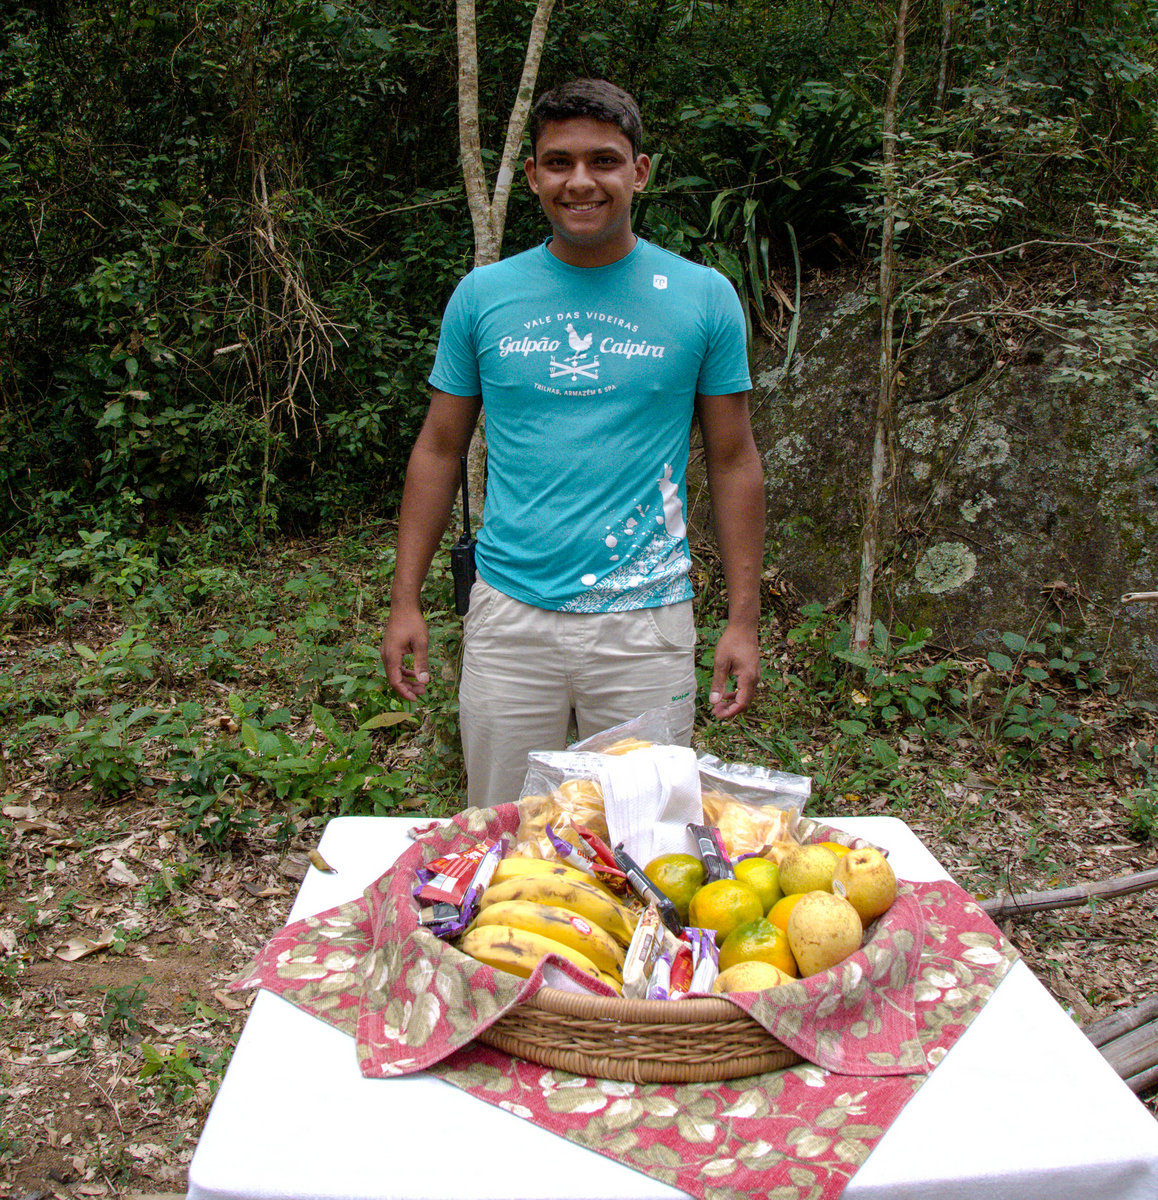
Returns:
(577, 363)
(578, 344)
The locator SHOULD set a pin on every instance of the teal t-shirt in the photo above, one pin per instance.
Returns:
(588, 377)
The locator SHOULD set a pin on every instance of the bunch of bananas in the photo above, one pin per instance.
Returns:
(536, 907)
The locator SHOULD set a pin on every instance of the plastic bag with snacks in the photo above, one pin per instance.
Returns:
(561, 790)
(752, 784)
(754, 809)
(651, 728)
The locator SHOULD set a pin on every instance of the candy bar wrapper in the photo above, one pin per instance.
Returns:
(484, 872)
(646, 943)
(681, 973)
(647, 891)
(603, 864)
(438, 914)
(659, 985)
(705, 959)
(599, 847)
(725, 861)
(570, 854)
(452, 875)
(715, 857)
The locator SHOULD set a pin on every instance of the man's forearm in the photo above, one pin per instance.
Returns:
(427, 501)
(737, 492)
(432, 476)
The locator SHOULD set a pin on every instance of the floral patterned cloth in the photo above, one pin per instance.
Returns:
(871, 1030)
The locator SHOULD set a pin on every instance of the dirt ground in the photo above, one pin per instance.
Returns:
(78, 1119)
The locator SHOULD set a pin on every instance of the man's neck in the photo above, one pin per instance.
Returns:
(592, 256)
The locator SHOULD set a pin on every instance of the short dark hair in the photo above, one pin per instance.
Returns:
(588, 98)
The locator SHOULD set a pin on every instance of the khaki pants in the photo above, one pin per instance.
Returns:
(527, 671)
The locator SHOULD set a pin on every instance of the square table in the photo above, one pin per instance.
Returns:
(1023, 1107)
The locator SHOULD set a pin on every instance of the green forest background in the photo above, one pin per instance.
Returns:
(229, 229)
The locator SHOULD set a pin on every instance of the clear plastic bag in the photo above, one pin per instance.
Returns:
(754, 785)
(561, 790)
(755, 809)
(653, 727)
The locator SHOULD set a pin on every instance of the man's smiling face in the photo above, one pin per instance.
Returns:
(585, 176)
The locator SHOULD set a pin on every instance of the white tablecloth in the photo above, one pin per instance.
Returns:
(1022, 1108)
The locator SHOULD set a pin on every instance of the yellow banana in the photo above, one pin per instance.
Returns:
(587, 899)
(516, 950)
(515, 866)
(613, 983)
(560, 924)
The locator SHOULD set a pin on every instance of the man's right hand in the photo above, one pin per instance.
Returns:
(406, 635)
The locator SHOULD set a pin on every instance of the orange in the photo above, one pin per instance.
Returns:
(763, 876)
(837, 849)
(758, 941)
(724, 905)
(782, 910)
(679, 877)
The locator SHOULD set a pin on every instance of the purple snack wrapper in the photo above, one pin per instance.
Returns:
(568, 853)
(480, 881)
(705, 959)
(658, 986)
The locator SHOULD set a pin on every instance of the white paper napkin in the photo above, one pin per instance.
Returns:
(649, 797)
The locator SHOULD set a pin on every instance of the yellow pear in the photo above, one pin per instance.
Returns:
(865, 879)
(823, 930)
(807, 869)
(750, 977)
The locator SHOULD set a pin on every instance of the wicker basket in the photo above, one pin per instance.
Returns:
(639, 1041)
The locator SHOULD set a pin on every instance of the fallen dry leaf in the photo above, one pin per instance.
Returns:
(320, 864)
(227, 1001)
(263, 893)
(119, 874)
(37, 825)
(79, 947)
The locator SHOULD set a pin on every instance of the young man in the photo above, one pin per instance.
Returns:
(590, 355)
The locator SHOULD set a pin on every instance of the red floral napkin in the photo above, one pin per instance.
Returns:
(871, 1029)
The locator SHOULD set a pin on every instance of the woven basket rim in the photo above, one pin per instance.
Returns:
(587, 1005)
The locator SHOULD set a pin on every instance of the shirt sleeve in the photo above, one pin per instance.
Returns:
(725, 366)
(456, 360)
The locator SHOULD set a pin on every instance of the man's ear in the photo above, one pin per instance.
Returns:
(529, 168)
(642, 171)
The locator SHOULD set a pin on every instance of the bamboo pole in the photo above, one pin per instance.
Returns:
(1030, 902)
(1124, 1021)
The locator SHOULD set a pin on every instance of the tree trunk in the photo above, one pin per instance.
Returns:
(881, 440)
(488, 213)
(946, 47)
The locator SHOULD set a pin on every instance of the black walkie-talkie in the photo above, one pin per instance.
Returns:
(462, 554)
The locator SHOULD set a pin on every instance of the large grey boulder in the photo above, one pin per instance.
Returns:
(1017, 499)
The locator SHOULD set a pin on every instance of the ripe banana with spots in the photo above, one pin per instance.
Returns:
(588, 900)
(516, 950)
(515, 866)
(561, 925)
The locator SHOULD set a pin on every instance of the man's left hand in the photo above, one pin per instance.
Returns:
(738, 655)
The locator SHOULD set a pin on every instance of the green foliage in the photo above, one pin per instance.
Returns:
(1118, 336)
(890, 692)
(121, 1007)
(331, 772)
(1142, 806)
(108, 750)
(229, 231)
(177, 1072)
